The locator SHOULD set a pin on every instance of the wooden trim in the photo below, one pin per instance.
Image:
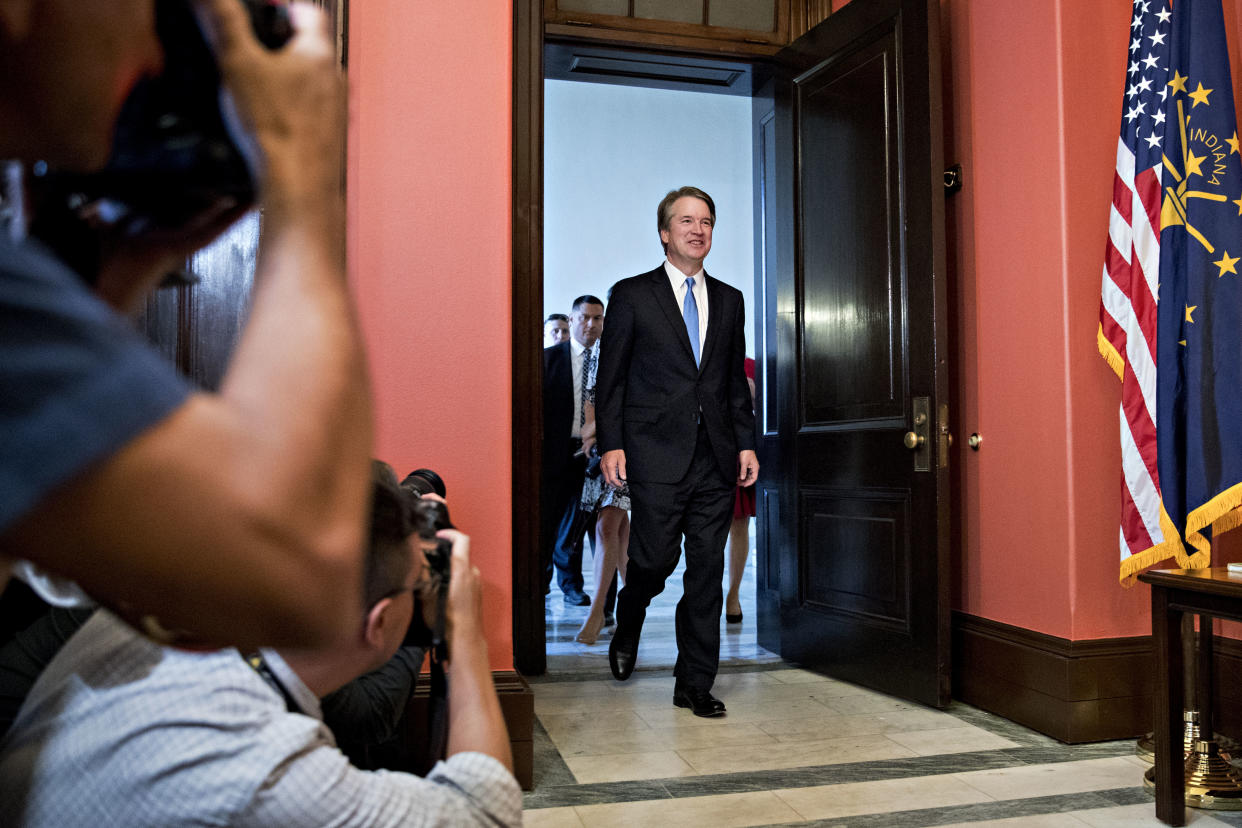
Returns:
(806, 15)
(1074, 691)
(529, 655)
(661, 40)
(517, 705)
(663, 29)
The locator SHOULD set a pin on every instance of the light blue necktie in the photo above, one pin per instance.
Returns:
(690, 313)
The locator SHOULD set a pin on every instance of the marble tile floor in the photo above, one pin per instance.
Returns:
(657, 648)
(799, 748)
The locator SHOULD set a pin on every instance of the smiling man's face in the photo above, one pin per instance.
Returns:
(688, 234)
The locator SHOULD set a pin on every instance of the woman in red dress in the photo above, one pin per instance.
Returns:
(739, 530)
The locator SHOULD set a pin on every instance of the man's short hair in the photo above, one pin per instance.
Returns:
(388, 557)
(664, 213)
(586, 299)
(556, 317)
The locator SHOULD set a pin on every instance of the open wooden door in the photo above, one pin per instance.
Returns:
(853, 402)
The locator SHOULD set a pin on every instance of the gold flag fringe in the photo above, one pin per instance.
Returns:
(1221, 513)
(1171, 547)
(1110, 354)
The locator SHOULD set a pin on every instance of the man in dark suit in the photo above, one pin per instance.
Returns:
(562, 525)
(674, 420)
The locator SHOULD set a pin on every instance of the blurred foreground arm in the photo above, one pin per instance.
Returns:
(240, 517)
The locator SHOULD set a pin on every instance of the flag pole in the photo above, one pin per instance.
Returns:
(1212, 782)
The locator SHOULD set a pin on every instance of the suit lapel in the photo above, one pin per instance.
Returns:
(715, 322)
(666, 300)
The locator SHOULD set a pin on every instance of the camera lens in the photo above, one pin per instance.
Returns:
(423, 482)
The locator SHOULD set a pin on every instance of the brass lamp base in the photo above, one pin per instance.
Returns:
(1212, 783)
(1145, 748)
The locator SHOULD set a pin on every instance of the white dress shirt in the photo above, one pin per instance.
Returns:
(120, 731)
(678, 280)
(577, 353)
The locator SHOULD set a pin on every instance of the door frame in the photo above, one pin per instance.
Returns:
(526, 312)
(526, 309)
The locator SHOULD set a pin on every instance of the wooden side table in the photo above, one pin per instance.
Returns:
(1174, 592)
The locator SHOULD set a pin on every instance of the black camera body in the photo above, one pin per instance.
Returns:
(429, 517)
(178, 149)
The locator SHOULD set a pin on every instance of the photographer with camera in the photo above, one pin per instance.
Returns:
(237, 515)
(174, 737)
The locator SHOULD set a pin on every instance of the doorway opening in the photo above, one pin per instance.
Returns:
(615, 140)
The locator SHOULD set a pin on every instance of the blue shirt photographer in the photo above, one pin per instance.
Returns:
(77, 382)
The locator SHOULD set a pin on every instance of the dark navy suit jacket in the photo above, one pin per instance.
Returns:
(558, 408)
(649, 395)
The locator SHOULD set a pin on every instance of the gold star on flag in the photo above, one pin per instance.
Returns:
(1199, 96)
(1189, 310)
(1181, 342)
(1233, 143)
(1226, 264)
(1238, 201)
(1179, 81)
(1194, 163)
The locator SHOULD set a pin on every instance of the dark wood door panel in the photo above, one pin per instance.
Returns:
(864, 573)
(856, 561)
(852, 321)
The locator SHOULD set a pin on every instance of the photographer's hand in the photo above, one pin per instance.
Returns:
(293, 103)
(475, 720)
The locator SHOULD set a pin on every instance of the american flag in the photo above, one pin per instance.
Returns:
(1170, 229)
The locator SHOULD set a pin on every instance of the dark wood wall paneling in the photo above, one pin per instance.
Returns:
(1075, 691)
(1227, 687)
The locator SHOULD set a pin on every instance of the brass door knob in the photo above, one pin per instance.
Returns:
(913, 441)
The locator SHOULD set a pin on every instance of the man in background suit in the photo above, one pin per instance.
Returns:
(562, 524)
(555, 329)
(674, 420)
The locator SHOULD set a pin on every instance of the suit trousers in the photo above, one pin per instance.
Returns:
(699, 507)
(564, 524)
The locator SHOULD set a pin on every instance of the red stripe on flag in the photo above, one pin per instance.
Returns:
(1122, 197)
(1114, 333)
(1147, 185)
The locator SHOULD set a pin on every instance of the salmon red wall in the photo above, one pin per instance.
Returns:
(1033, 105)
(429, 257)
(1035, 94)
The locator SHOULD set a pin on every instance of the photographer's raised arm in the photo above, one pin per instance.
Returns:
(240, 517)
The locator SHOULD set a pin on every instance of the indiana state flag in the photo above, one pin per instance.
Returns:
(1171, 304)
(1199, 340)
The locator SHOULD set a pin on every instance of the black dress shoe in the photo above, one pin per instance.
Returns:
(701, 702)
(730, 618)
(622, 655)
(576, 598)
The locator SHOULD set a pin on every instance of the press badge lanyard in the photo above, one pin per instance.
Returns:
(256, 662)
